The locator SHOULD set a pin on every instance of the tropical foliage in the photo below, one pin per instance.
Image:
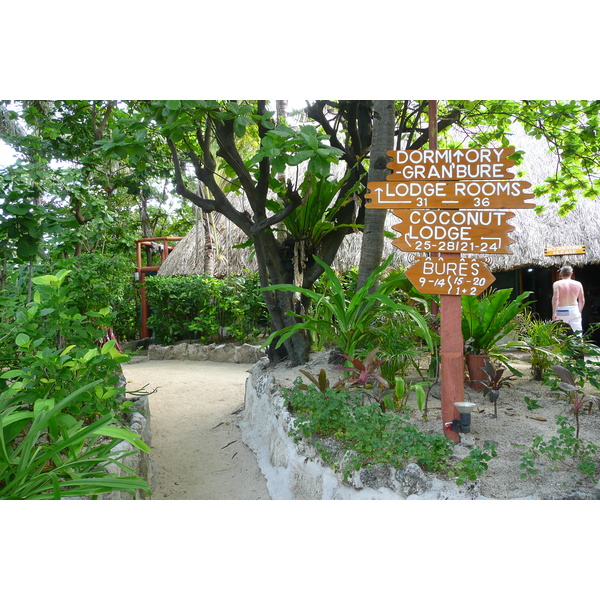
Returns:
(345, 320)
(96, 175)
(487, 319)
(59, 398)
(206, 308)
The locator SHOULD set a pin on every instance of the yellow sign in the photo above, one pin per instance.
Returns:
(560, 250)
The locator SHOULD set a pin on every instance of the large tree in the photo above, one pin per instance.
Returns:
(63, 191)
(204, 137)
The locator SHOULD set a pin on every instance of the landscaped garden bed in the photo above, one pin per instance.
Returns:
(526, 410)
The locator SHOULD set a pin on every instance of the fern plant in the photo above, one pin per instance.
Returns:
(486, 319)
(343, 319)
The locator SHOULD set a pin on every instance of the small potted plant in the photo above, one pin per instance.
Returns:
(486, 320)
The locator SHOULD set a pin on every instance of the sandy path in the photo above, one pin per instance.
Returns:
(197, 449)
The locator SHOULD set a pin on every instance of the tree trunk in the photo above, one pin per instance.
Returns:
(147, 230)
(209, 241)
(281, 108)
(272, 270)
(373, 232)
(209, 246)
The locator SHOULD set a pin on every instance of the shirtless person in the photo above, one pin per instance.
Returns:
(568, 300)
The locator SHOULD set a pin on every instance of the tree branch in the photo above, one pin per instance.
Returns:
(442, 124)
(294, 201)
(221, 204)
(264, 167)
(228, 151)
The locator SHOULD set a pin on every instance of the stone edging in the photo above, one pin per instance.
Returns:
(140, 462)
(295, 471)
(246, 353)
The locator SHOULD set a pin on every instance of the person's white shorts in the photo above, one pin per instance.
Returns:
(570, 315)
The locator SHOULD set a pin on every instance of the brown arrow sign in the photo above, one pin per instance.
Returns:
(450, 276)
(447, 164)
(470, 231)
(449, 194)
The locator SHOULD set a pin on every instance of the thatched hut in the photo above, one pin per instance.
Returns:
(544, 243)
(209, 247)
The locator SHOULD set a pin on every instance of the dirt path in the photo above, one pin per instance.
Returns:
(197, 449)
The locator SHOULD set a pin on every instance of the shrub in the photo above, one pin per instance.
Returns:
(541, 339)
(49, 350)
(47, 454)
(59, 403)
(369, 435)
(202, 307)
(97, 280)
(348, 320)
(488, 318)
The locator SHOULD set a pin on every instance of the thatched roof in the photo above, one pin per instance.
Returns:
(187, 258)
(534, 233)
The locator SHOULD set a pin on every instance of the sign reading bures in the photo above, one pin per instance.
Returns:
(450, 276)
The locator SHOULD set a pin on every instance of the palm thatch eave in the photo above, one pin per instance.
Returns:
(534, 233)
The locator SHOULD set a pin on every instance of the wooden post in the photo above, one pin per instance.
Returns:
(452, 364)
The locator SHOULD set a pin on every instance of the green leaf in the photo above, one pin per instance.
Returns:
(22, 340)
(17, 209)
(89, 355)
(123, 434)
(300, 157)
(12, 373)
(45, 280)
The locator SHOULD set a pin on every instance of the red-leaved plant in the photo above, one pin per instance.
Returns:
(576, 395)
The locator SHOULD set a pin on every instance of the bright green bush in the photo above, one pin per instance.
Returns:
(47, 454)
(59, 400)
(373, 436)
(95, 281)
(204, 308)
(49, 349)
(348, 320)
(98, 280)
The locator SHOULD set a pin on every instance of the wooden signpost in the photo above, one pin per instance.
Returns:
(450, 276)
(472, 231)
(435, 193)
(449, 194)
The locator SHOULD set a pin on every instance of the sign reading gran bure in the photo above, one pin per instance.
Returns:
(449, 164)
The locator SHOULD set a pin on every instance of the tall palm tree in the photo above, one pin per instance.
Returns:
(382, 141)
